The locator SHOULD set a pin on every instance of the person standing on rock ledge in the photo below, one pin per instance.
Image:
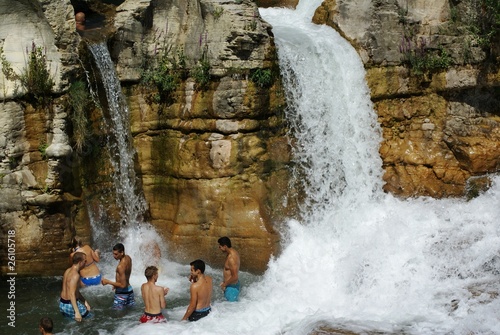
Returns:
(231, 283)
(124, 294)
(80, 21)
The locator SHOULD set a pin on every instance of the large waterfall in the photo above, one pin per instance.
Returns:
(360, 260)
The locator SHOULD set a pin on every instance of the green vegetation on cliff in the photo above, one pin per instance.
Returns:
(35, 78)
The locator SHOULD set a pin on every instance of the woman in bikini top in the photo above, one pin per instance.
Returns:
(93, 257)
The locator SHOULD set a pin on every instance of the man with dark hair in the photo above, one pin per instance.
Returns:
(72, 304)
(46, 326)
(200, 291)
(124, 294)
(153, 296)
(231, 284)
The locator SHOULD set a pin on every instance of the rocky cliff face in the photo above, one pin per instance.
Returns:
(39, 200)
(212, 159)
(440, 126)
(212, 155)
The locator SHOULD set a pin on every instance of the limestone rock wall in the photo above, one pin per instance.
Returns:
(213, 161)
(440, 129)
(39, 199)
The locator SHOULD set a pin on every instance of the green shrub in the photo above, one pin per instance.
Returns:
(482, 18)
(418, 55)
(80, 101)
(35, 78)
(42, 148)
(165, 72)
(217, 13)
(201, 73)
(262, 77)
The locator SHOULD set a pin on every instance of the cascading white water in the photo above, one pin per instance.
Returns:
(131, 202)
(361, 260)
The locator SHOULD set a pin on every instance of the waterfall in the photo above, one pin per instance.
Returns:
(142, 241)
(130, 201)
(331, 115)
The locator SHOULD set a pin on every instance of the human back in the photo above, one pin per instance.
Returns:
(90, 269)
(92, 257)
(203, 290)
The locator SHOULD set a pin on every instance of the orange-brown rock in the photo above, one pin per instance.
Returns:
(277, 3)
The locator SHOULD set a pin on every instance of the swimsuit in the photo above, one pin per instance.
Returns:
(67, 310)
(89, 281)
(199, 313)
(154, 318)
(232, 291)
(123, 297)
(89, 264)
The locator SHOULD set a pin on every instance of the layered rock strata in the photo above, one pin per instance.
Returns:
(211, 161)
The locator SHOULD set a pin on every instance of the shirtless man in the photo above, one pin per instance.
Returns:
(231, 284)
(201, 292)
(72, 304)
(80, 21)
(90, 274)
(153, 296)
(124, 294)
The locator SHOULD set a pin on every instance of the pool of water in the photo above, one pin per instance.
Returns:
(39, 297)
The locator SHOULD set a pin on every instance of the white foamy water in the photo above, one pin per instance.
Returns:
(361, 260)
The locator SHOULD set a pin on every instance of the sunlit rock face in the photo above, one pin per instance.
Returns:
(211, 162)
(40, 203)
(277, 3)
(440, 128)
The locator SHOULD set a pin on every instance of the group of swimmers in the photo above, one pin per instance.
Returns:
(84, 272)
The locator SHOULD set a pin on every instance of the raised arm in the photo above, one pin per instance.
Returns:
(96, 255)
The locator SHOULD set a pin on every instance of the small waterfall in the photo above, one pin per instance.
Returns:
(130, 201)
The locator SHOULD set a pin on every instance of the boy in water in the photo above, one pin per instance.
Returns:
(124, 294)
(153, 296)
(46, 325)
(72, 304)
(201, 292)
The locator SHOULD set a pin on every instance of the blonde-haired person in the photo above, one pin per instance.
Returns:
(90, 274)
(153, 296)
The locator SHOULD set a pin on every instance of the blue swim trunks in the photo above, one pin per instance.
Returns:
(89, 281)
(232, 291)
(123, 297)
(67, 310)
